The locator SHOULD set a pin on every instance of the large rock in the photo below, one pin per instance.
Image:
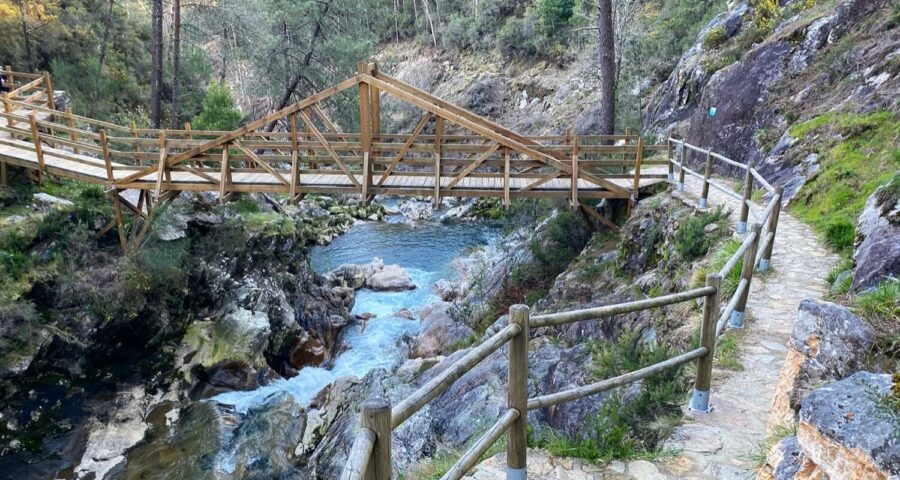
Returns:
(375, 275)
(849, 429)
(391, 278)
(439, 331)
(112, 436)
(785, 461)
(877, 253)
(417, 210)
(46, 202)
(829, 342)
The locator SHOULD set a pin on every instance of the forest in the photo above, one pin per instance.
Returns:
(158, 63)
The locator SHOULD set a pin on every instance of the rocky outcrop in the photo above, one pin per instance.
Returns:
(848, 429)
(877, 253)
(439, 331)
(829, 342)
(111, 435)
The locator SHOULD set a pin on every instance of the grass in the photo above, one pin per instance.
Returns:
(433, 468)
(721, 256)
(779, 433)
(857, 153)
(728, 351)
(881, 309)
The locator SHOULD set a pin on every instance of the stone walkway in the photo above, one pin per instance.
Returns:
(716, 445)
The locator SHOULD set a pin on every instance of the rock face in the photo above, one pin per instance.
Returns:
(848, 431)
(829, 342)
(374, 275)
(111, 437)
(877, 253)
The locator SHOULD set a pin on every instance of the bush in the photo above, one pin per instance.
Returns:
(554, 15)
(218, 111)
(517, 38)
(715, 38)
(691, 241)
(766, 13)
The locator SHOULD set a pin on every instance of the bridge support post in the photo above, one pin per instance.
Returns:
(680, 185)
(737, 315)
(700, 397)
(745, 206)
(4, 181)
(670, 159)
(438, 149)
(376, 416)
(704, 196)
(766, 259)
(517, 395)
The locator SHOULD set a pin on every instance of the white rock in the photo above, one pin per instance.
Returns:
(45, 201)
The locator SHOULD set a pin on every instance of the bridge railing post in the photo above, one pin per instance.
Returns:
(745, 205)
(704, 194)
(670, 159)
(7, 109)
(766, 261)
(680, 185)
(517, 395)
(48, 87)
(737, 315)
(36, 138)
(376, 416)
(700, 397)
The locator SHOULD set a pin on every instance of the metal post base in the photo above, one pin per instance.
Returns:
(700, 402)
(737, 320)
(741, 228)
(515, 473)
(702, 203)
(679, 186)
(671, 177)
(763, 265)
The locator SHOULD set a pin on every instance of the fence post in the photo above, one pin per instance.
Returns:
(670, 160)
(745, 208)
(680, 185)
(517, 396)
(376, 416)
(8, 110)
(704, 195)
(36, 137)
(700, 397)
(48, 86)
(737, 315)
(766, 259)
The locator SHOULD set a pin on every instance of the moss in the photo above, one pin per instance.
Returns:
(857, 154)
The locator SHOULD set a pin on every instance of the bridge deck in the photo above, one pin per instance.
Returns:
(84, 167)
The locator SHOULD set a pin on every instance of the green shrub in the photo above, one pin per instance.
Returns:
(516, 38)
(554, 15)
(624, 428)
(691, 241)
(766, 13)
(218, 110)
(715, 38)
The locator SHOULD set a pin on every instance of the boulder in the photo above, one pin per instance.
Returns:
(784, 461)
(439, 331)
(46, 202)
(391, 278)
(417, 210)
(877, 253)
(848, 429)
(829, 342)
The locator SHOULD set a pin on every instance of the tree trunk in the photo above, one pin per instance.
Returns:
(430, 22)
(105, 43)
(156, 67)
(307, 59)
(29, 54)
(176, 60)
(607, 68)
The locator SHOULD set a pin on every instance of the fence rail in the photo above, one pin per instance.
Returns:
(753, 254)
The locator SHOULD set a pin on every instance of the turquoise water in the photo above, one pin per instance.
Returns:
(425, 250)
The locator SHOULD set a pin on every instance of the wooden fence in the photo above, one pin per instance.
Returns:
(370, 454)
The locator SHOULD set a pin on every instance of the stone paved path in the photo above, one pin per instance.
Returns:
(715, 445)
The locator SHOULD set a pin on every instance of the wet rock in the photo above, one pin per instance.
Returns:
(112, 436)
(877, 253)
(847, 430)
(375, 275)
(829, 342)
(439, 331)
(417, 210)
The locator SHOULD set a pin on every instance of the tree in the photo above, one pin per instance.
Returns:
(176, 60)
(217, 111)
(554, 15)
(156, 68)
(607, 67)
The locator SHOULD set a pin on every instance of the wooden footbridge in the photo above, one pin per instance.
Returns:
(449, 152)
